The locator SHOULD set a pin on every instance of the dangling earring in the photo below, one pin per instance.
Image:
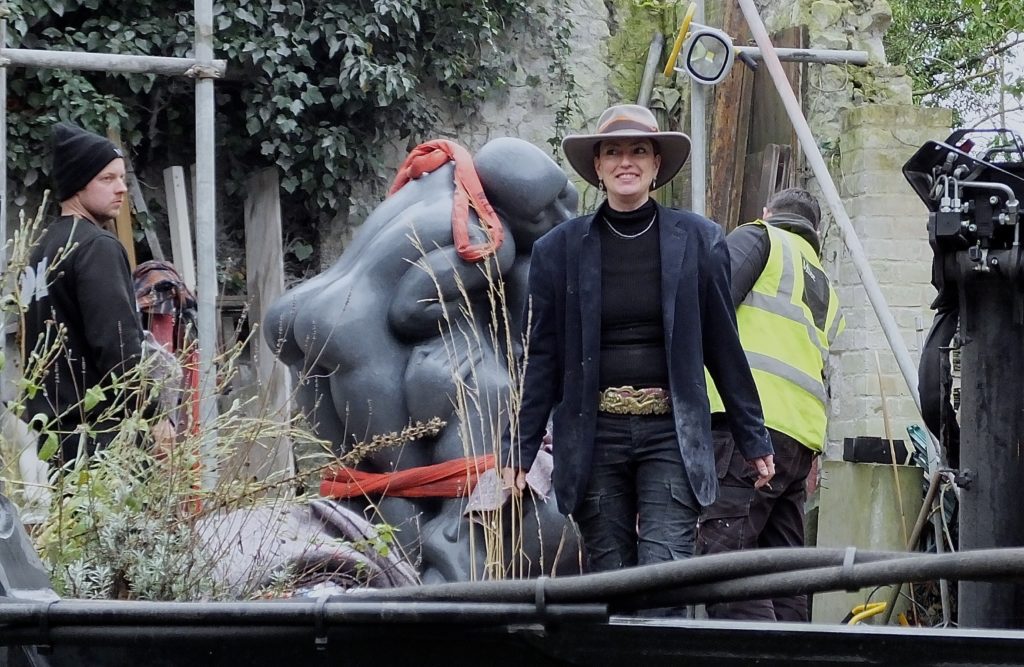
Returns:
(600, 184)
(654, 183)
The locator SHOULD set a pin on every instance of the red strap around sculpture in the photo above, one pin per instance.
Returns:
(451, 479)
(430, 156)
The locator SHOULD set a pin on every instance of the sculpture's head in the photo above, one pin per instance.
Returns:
(529, 191)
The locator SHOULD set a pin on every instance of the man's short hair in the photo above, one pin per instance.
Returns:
(798, 202)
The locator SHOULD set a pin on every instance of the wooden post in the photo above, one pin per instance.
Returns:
(264, 262)
(767, 172)
(142, 212)
(178, 223)
(138, 202)
(729, 128)
(123, 221)
(770, 124)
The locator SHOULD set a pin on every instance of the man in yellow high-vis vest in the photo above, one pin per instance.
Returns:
(788, 317)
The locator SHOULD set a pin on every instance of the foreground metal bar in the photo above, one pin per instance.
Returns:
(108, 62)
(622, 641)
(828, 189)
(33, 620)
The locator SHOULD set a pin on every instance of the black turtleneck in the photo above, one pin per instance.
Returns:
(632, 330)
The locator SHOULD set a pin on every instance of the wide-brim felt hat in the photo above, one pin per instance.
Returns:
(626, 121)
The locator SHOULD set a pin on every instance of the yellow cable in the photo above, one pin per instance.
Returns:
(863, 611)
(684, 28)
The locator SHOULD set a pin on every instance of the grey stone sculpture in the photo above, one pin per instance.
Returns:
(401, 329)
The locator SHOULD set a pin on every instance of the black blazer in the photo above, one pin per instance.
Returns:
(564, 329)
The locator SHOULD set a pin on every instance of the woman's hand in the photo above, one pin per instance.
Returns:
(513, 478)
(765, 467)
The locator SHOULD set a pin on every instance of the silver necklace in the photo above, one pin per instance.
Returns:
(631, 236)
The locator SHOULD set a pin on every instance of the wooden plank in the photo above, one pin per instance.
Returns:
(178, 224)
(138, 202)
(123, 221)
(264, 262)
(142, 212)
(770, 124)
(730, 124)
(773, 150)
(767, 172)
(753, 191)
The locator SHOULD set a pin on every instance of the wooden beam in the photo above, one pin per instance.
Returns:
(730, 124)
(110, 62)
(264, 276)
(773, 151)
(767, 172)
(138, 202)
(178, 224)
(142, 212)
(771, 124)
(123, 221)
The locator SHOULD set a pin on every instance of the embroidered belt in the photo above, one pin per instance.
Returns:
(630, 401)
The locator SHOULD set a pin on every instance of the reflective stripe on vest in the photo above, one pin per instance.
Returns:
(787, 323)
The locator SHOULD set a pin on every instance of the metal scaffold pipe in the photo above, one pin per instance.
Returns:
(817, 56)
(698, 136)
(206, 239)
(107, 62)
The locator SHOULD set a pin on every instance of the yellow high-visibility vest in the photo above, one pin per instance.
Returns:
(787, 323)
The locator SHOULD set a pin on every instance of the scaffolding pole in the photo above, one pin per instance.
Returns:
(206, 238)
(698, 136)
(107, 62)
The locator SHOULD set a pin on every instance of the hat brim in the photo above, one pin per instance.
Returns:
(674, 148)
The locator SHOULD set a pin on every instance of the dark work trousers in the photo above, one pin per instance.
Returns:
(745, 518)
(638, 507)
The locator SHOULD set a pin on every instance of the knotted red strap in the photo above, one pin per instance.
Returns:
(468, 192)
(451, 479)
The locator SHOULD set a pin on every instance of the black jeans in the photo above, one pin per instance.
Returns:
(638, 507)
(745, 518)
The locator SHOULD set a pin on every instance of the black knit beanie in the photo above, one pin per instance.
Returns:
(78, 155)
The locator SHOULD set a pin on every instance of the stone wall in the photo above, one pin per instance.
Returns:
(529, 106)
(875, 141)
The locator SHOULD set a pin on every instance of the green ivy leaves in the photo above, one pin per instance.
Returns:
(308, 81)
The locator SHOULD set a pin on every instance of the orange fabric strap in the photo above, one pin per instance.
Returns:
(451, 479)
(430, 156)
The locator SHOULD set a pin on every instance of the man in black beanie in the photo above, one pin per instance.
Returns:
(79, 296)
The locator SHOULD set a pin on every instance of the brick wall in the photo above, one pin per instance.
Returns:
(890, 222)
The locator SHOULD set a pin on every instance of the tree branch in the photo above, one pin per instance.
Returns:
(943, 87)
(996, 114)
(995, 51)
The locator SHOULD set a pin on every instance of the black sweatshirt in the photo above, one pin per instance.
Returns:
(79, 277)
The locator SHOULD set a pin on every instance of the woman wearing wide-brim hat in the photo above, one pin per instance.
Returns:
(628, 305)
